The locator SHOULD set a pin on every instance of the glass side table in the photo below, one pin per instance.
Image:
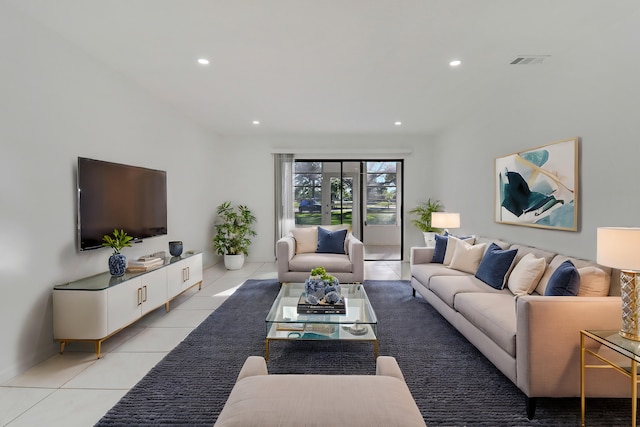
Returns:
(628, 348)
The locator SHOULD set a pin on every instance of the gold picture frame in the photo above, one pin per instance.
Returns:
(538, 187)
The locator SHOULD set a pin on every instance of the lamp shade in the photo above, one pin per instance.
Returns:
(445, 220)
(619, 247)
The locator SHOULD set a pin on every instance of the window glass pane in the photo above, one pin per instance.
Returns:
(381, 193)
(307, 185)
(311, 180)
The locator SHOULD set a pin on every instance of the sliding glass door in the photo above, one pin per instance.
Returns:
(364, 194)
(324, 193)
(382, 225)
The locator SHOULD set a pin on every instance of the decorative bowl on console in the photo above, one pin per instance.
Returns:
(175, 248)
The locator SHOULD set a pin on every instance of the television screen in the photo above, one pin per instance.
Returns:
(113, 195)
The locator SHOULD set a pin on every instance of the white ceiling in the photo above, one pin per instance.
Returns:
(335, 66)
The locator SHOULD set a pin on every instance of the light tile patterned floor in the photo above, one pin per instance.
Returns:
(76, 389)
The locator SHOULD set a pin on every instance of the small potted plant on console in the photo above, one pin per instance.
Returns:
(117, 261)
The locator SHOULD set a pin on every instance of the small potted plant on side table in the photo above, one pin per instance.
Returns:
(233, 234)
(117, 261)
(423, 222)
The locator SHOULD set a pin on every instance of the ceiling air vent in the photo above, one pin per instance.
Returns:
(529, 59)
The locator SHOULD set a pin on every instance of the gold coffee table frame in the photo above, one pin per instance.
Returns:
(284, 323)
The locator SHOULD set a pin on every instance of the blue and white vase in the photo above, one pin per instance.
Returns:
(117, 265)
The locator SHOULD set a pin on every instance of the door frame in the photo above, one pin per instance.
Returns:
(359, 187)
(370, 229)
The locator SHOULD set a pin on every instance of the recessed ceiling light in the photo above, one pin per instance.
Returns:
(256, 122)
(455, 63)
(398, 123)
(203, 61)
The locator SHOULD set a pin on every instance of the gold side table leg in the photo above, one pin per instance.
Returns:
(266, 353)
(582, 396)
(375, 349)
(634, 391)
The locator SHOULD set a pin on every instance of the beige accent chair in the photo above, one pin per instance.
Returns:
(296, 256)
(263, 400)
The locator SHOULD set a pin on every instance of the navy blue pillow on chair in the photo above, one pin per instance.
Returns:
(440, 250)
(495, 265)
(331, 242)
(565, 281)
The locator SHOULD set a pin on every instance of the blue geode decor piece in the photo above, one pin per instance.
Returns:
(332, 297)
(318, 289)
(117, 265)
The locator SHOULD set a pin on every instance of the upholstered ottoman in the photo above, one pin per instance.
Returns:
(263, 400)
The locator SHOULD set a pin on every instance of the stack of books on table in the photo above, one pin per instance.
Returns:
(323, 308)
(144, 264)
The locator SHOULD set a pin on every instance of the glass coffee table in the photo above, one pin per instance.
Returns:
(358, 324)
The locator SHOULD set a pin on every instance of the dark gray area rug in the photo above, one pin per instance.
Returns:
(452, 383)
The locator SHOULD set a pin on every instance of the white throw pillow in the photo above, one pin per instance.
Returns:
(594, 282)
(306, 239)
(526, 274)
(451, 247)
(467, 257)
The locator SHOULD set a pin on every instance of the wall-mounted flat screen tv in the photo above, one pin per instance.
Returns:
(117, 196)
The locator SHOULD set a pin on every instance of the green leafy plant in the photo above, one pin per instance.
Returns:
(321, 274)
(119, 240)
(424, 211)
(319, 271)
(234, 230)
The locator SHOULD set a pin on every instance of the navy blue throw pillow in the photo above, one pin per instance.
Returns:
(495, 265)
(440, 250)
(331, 242)
(565, 281)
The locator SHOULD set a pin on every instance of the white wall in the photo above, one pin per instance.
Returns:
(247, 172)
(57, 104)
(593, 95)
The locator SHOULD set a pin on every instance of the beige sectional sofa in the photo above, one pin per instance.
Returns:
(263, 400)
(296, 256)
(531, 338)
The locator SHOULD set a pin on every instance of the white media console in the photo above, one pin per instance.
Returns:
(97, 307)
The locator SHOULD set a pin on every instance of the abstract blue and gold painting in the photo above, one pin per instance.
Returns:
(539, 187)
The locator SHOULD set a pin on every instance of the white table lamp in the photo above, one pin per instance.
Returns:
(619, 247)
(445, 220)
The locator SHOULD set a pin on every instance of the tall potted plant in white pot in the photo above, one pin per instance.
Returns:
(423, 220)
(234, 229)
